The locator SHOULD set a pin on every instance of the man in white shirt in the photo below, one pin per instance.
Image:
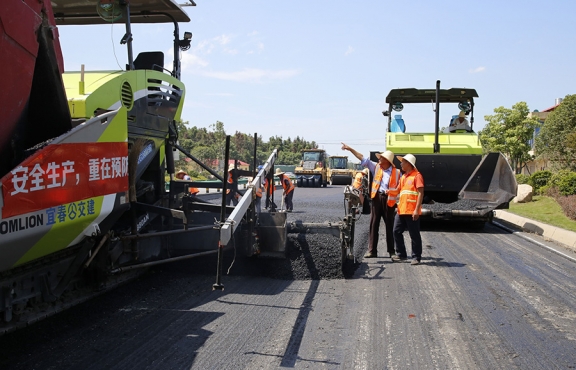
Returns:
(460, 123)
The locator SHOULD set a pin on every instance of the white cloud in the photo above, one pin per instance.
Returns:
(223, 39)
(204, 46)
(349, 51)
(189, 60)
(478, 70)
(251, 75)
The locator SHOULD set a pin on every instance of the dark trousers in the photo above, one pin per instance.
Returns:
(401, 223)
(231, 198)
(381, 210)
(288, 201)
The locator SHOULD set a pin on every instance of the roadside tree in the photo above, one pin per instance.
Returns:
(557, 137)
(509, 131)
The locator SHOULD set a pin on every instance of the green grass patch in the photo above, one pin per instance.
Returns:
(544, 209)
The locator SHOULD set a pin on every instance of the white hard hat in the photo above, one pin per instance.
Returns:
(409, 158)
(388, 155)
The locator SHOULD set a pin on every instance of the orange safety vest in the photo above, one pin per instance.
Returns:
(287, 187)
(269, 186)
(394, 187)
(230, 181)
(392, 184)
(409, 193)
(260, 188)
(358, 180)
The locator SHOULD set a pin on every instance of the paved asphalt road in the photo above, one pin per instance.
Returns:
(480, 300)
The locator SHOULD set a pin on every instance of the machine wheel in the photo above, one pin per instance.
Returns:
(299, 182)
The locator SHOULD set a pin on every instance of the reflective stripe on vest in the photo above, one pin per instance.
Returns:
(358, 181)
(408, 194)
(378, 175)
(393, 188)
(392, 183)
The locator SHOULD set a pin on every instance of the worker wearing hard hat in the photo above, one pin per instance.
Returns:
(459, 123)
(182, 175)
(409, 210)
(288, 187)
(361, 183)
(383, 192)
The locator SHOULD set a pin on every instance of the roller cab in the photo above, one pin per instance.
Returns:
(461, 182)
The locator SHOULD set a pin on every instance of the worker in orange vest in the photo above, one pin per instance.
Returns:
(383, 193)
(258, 192)
(409, 209)
(288, 187)
(232, 189)
(359, 184)
(182, 175)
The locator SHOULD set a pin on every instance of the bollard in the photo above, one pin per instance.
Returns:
(207, 190)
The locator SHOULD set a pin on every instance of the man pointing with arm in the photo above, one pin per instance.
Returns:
(383, 192)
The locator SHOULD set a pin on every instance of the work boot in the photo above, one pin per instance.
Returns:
(370, 255)
(397, 258)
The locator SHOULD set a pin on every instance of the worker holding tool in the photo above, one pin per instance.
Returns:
(360, 181)
(383, 192)
(288, 187)
(409, 210)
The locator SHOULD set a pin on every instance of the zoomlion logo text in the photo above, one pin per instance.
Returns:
(21, 223)
(147, 150)
(143, 221)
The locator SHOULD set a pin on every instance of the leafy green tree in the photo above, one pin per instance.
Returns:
(557, 137)
(509, 131)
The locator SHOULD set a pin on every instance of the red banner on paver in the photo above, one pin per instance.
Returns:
(65, 173)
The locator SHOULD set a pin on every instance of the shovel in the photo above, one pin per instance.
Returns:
(282, 205)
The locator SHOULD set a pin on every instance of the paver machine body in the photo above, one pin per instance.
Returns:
(88, 196)
(313, 170)
(454, 168)
(338, 171)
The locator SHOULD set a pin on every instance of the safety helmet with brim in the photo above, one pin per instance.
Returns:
(408, 158)
(388, 155)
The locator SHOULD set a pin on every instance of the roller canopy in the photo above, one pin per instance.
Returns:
(77, 12)
(412, 95)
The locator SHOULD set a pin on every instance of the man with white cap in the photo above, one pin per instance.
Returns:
(459, 123)
(385, 179)
(409, 210)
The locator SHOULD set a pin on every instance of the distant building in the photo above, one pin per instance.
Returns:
(218, 165)
(538, 164)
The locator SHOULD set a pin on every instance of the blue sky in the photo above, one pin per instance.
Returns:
(321, 69)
